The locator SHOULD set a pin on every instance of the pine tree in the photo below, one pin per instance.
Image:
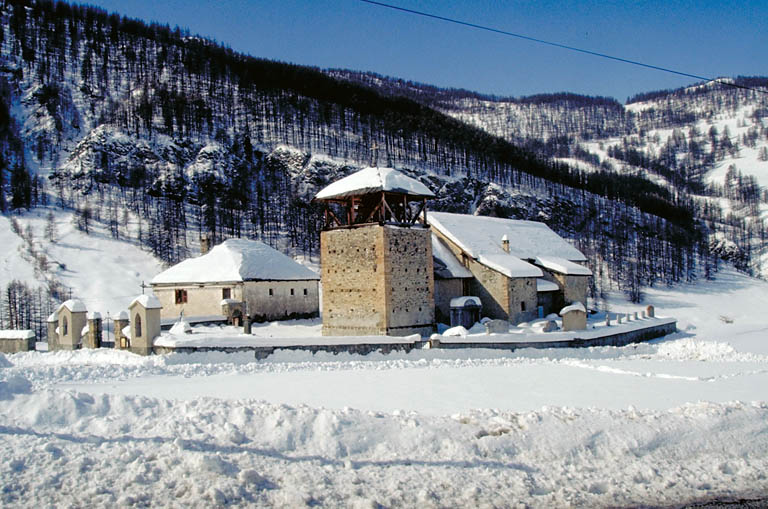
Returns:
(51, 232)
(83, 219)
(3, 204)
(21, 187)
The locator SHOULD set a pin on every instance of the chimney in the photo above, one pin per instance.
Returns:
(205, 243)
(505, 243)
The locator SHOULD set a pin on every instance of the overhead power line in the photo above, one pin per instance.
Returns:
(557, 45)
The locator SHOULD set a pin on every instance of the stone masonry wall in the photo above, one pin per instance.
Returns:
(14, 344)
(445, 290)
(377, 280)
(523, 300)
(574, 288)
(410, 278)
(354, 300)
(493, 289)
(503, 298)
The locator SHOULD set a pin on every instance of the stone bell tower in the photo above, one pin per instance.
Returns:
(376, 256)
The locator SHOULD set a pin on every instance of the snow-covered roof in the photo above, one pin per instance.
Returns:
(17, 334)
(147, 301)
(374, 180)
(236, 260)
(562, 266)
(53, 317)
(478, 235)
(93, 315)
(576, 306)
(446, 264)
(542, 285)
(122, 315)
(509, 265)
(73, 305)
(460, 302)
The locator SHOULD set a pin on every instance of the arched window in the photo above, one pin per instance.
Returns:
(64, 326)
(138, 325)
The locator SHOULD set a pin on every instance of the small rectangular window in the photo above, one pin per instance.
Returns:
(522, 306)
(271, 292)
(181, 296)
(226, 293)
(291, 291)
(305, 291)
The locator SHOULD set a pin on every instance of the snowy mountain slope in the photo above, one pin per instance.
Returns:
(707, 143)
(14, 266)
(191, 138)
(105, 273)
(677, 421)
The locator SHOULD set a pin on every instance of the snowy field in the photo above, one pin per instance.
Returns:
(675, 421)
(105, 273)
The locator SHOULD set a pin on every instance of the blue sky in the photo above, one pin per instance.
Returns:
(698, 37)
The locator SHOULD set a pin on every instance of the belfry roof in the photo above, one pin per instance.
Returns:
(374, 180)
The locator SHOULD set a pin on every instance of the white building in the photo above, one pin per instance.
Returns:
(271, 285)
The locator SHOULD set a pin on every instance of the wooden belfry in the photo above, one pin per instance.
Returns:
(375, 196)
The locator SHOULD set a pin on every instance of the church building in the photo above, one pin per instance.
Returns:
(520, 269)
(389, 268)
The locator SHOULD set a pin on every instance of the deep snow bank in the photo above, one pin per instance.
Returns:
(137, 450)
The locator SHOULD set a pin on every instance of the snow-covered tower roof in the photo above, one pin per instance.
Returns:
(236, 260)
(73, 305)
(375, 195)
(374, 180)
(146, 301)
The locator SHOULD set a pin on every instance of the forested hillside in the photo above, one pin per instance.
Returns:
(131, 123)
(708, 142)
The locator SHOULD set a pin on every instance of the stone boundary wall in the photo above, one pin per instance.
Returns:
(262, 352)
(15, 341)
(616, 339)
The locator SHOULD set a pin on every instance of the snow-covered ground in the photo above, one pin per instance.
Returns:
(105, 273)
(678, 420)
